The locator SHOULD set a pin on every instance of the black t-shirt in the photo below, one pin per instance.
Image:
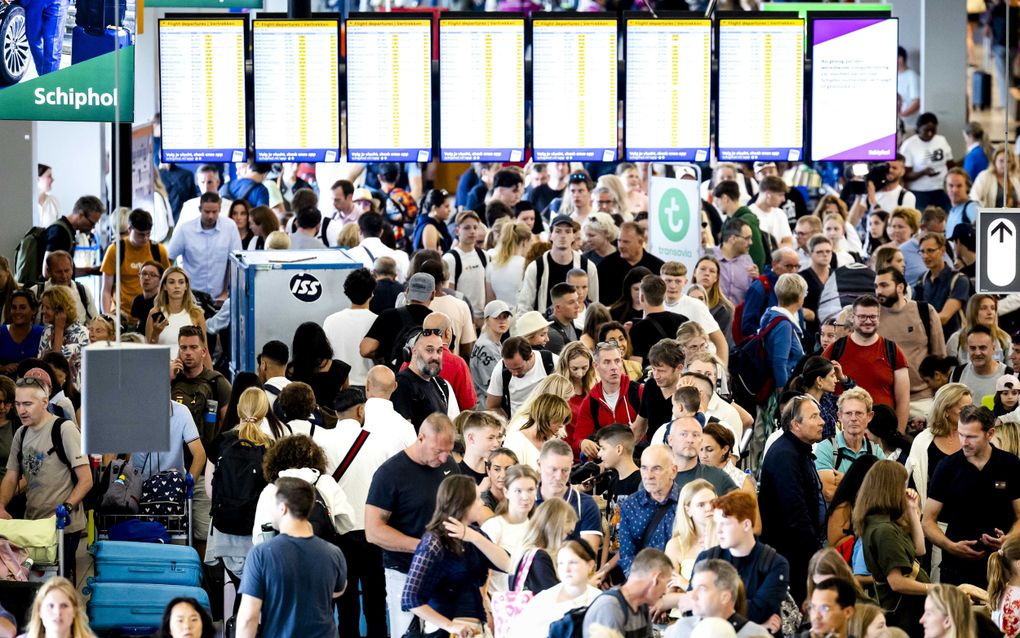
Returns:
(976, 502)
(140, 308)
(415, 398)
(408, 492)
(476, 199)
(649, 331)
(385, 296)
(466, 470)
(657, 409)
(557, 275)
(326, 383)
(622, 486)
(541, 196)
(60, 236)
(390, 323)
(614, 268)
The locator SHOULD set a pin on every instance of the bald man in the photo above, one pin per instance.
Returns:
(402, 499)
(394, 431)
(759, 299)
(646, 517)
(685, 440)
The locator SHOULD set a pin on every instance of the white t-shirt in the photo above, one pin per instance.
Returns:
(460, 315)
(345, 330)
(372, 248)
(908, 86)
(472, 278)
(525, 450)
(520, 388)
(774, 222)
(919, 155)
(695, 310)
(890, 200)
(509, 536)
(506, 279)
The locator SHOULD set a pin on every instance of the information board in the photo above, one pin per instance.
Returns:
(481, 90)
(202, 90)
(574, 77)
(667, 103)
(853, 79)
(389, 88)
(761, 89)
(297, 90)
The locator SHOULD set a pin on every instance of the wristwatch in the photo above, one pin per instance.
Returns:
(68, 507)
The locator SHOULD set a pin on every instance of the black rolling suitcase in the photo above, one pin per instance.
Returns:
(981, 91)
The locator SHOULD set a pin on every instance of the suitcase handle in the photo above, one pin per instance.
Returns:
(151, 570)
(151, 609)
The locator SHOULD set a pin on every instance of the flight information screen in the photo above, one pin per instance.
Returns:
(389, 89)
(761, 89)
(481, 90)
(574, 76)
(297, 90)
(853, 79)
(667, 103)
(202, 90)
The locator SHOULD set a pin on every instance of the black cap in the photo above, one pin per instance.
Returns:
(964, 233)
(562, 220)
(276, 351)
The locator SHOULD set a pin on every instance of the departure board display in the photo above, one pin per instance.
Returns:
(667, 102)
(761, 89)
(481, 90)
(574, 77)
(297, 90)
(389, 88)
(853, 79)
(202, 90)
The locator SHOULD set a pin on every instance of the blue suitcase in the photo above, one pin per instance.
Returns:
(135, 606)
(152, 563)
(87, 43)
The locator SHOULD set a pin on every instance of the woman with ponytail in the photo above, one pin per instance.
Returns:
(1004, 587)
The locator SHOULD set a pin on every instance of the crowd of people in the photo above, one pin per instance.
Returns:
(526, 421)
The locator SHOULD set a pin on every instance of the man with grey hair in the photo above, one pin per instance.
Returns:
(715, 589)
(761, 295)
(420, 390)
(625, 609)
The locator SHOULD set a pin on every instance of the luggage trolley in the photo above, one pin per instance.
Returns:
(178, 525)
(44, 544)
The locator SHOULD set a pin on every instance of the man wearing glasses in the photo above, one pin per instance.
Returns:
(876, 363)
(84, 217)
(55, 477)
(759, 298)
(420, 390)
(134, 252)
(945, 289)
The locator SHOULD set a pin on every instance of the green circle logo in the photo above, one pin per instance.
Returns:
(674, 215)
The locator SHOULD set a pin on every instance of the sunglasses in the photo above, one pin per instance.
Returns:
(577, 178)
(29, 382)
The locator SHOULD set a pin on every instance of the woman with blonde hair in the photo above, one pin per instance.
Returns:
(348, 237)
(173, 309)
(510, 524)
(505, 270)
(947, 613)
(58, 611)
(989, 184)
(230, 536)
(889, 256)
(692, 339)
(982, 310)
(278, 240)
(868, 620)
(1004, 587)
(827, 563)
(629, 174)
(1007, 437)
(63, 331)
(555, 384)
(599, 233)
(547, 531)
(102, 328)
(693, 528)
(939, 439)
(887, 515)
(549, 415)
(706, 274)
(576, 364)
(614, 185)
(7, 287)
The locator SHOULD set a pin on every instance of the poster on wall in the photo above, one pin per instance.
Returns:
(853, 79)
(46, 75)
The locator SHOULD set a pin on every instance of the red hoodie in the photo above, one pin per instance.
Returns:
(626, 411)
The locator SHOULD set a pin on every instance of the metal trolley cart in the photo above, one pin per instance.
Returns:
(175, 516)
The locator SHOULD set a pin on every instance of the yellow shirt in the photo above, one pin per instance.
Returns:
(131, 260)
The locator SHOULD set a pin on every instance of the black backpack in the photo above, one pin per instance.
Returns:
(458, 266)
(236, 486)
(540, 271)
(547, 363)
(410, 327)
(571, 625)
(321, 519)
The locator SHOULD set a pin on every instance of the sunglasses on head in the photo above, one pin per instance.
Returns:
(577, 178)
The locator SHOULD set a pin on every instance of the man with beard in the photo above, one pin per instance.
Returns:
(420, 392)
(877, 364)
(914, 326)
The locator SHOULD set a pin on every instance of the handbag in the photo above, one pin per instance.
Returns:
(507, 605)
(163, 494)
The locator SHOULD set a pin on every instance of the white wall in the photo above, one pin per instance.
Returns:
(75, 150)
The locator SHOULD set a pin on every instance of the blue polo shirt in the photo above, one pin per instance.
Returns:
(589, 520)
(950, 284)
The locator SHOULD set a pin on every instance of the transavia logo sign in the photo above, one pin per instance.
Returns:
(674, 215)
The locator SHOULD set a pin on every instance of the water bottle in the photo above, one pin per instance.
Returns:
(121, 480)
(211, 407)
(27, 563)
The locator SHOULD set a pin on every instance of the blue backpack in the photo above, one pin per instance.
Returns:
(750, 371)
